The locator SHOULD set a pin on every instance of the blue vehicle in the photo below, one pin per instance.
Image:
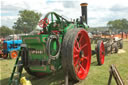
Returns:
(11, 47)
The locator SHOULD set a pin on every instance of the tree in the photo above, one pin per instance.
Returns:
(27, 21)
(119, 24)
(5, 31)
(16, 31)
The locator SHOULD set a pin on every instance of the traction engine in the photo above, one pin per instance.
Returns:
(60, 44)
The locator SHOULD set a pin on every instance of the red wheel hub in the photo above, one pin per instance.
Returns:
(102, 52)
(43, 23)
(82, 54)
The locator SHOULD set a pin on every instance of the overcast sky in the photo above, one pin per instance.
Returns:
(99, 11)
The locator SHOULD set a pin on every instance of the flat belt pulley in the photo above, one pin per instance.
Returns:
(53, 47)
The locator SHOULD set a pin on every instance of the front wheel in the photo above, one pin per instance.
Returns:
(100, 52)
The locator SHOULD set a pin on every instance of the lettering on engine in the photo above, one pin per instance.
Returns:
(34, 51)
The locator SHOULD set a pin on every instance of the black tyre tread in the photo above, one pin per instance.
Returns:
(64, 51)
(70, 46)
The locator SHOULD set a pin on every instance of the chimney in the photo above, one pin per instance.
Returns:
(84, 11)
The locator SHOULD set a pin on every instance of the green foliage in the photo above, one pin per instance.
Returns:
(16, 31)
(119, 24)
(27, 21)
(5, 31)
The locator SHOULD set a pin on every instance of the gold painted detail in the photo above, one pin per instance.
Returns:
(28, 38)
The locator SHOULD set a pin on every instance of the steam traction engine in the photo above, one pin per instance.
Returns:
(61, 43)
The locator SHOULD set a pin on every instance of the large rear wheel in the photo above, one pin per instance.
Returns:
(77, 53)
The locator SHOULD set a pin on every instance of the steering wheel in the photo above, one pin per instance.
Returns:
(43, 23)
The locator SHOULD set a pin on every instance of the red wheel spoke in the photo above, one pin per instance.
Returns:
(82, 67)
(76, 56)
(83, 46)
(76, 50)
(85, 58)
(78, 68)
(81, 38)
(77, 44)
(77, 61)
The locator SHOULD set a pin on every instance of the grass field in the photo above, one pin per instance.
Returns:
(98, 75)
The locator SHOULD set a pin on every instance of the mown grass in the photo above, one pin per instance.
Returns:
(98, 75)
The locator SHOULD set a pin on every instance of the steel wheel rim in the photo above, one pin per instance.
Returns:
(102, 52)
(82, 54)
(14, 54)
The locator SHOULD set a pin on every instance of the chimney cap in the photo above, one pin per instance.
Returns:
(84, 4)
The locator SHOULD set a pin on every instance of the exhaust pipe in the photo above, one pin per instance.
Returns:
(84, 11)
